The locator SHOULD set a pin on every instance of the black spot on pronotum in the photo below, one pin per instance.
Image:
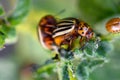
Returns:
(82, 32)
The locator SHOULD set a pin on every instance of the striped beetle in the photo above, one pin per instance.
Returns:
(53, 33)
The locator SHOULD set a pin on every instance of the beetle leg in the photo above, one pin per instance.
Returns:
(56, 57)
(69, 38)
(70, 45)
(82, 43)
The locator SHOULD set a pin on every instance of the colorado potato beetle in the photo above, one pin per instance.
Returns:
(113, 25)
(54, 33)
(45, 31)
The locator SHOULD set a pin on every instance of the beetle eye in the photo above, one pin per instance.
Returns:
(82, 32)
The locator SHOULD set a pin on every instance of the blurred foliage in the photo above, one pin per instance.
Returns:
(45, 72)
(8, 22)
(71, 67)
(98, 10)
(20, 12)
(90, 58)
(1, 10)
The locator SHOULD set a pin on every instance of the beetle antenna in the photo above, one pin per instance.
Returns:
(62, 11)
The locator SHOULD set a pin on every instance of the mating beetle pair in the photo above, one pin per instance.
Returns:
(53, 33)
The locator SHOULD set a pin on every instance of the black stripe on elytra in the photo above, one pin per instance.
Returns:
(64, 25)
(61, 30)
(65, 21)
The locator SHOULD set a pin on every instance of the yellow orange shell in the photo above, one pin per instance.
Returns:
(113, 25)
(45, 29)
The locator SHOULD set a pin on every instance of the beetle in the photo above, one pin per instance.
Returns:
(45, 29)
(113, 25)
(54, 33)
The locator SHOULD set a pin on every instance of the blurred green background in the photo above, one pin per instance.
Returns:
(24, 48)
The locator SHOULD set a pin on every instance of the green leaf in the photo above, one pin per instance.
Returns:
(2, 39)
(65, 73)
(96, 63)
(45, 72)
(97, 10)
(104, 48)
(3, 34)
(45, 68)
(11, 36)
(90, 47)
(71, 74)
(5, 29)
(20, 12)
(82, 72)
(1, 10)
